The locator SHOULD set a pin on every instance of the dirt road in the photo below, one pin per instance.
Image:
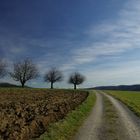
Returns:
(90, 128)
(109, 120)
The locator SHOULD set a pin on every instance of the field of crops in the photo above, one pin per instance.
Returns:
(130, 98)
(26, 113)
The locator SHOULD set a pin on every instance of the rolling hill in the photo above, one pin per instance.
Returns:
(120, 87)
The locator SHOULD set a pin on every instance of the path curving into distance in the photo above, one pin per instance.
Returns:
(130, 121)
(109, 120)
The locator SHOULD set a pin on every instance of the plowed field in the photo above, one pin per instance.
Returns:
(26, 113)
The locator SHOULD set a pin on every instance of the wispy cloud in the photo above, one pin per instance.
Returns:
(116, 37)
(122, 73)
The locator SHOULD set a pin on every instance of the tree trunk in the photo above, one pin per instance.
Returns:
(23, 84)
(74, 86)
(51, 85)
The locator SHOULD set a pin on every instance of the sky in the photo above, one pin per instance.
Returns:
(98, 38)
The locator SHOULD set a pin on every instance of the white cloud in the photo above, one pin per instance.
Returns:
(116, 37)
(124, 73)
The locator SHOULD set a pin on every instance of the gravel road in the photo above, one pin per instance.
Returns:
(90, 128)
(125, 124)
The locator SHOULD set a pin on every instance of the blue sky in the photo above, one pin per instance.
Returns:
(99, 38)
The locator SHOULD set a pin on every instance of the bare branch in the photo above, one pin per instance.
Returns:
(24, 71)
(52, 76)
(76, 79)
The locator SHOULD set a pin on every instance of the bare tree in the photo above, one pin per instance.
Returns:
(52, 76)
(76, 79)
(3, 70)
(24, 71)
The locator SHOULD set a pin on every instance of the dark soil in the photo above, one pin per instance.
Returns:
(25, 114)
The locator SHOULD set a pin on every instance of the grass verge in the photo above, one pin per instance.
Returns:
(109, 129)
(66, 128)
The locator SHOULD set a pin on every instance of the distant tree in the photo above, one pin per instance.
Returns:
(52, 76)
(3, 70)
(24, 71)
(76, 79)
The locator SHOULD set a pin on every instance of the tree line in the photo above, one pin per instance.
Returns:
(27, 70)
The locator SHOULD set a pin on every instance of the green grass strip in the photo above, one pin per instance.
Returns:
(66, 128)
